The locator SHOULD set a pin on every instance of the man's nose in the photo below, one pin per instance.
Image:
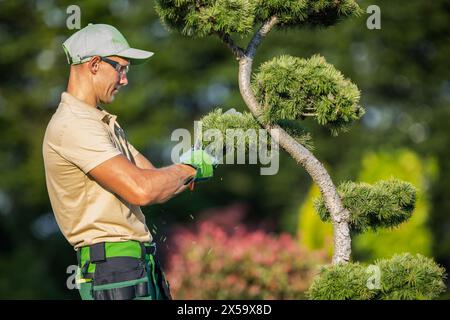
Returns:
(123, 80)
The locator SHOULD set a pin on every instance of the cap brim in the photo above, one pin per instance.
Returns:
(135, 56)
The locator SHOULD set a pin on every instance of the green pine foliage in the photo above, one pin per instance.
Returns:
(410, 277)
(217, 120)
(291, 88)
(387, 203)
(326, 12)
(341, 282)
(289, 12)
(200, 18)
(415, 236)
(403, 277)
(298, 132)
(307, 12)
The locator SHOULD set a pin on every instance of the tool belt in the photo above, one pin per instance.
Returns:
(122, 271)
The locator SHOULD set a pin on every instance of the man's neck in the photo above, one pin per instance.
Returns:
(88, 99)
(78, 88)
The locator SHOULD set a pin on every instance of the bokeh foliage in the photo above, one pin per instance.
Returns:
(210, 260)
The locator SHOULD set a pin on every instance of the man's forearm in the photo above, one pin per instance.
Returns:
(159, 185)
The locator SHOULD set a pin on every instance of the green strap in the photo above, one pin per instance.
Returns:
(153, 276)
(119, 284)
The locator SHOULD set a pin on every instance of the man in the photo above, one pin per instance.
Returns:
(97, 180)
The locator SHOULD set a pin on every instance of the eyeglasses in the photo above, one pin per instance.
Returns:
(119, 68)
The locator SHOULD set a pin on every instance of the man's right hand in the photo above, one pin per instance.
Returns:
(200, 160)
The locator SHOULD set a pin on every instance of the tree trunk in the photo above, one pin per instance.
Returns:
(339, 215)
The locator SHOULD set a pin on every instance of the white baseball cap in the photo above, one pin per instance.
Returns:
(101, 40)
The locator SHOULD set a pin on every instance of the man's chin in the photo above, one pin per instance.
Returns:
(107, 100)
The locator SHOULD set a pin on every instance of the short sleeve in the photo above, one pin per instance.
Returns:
(86, 143)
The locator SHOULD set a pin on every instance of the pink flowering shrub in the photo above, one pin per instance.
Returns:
(214, 261)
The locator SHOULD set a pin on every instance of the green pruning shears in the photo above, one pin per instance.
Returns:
(200, 160)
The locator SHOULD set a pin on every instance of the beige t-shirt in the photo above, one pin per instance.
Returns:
(79, 138)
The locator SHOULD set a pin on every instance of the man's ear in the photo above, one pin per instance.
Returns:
(94, 64)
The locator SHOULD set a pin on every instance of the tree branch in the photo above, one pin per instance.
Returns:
(236, 50)
(309, 114)
(259, 36)
(339, 215)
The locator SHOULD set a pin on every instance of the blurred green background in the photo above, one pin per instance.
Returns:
(402, 71)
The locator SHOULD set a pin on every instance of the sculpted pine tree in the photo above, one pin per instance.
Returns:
(288, 90)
